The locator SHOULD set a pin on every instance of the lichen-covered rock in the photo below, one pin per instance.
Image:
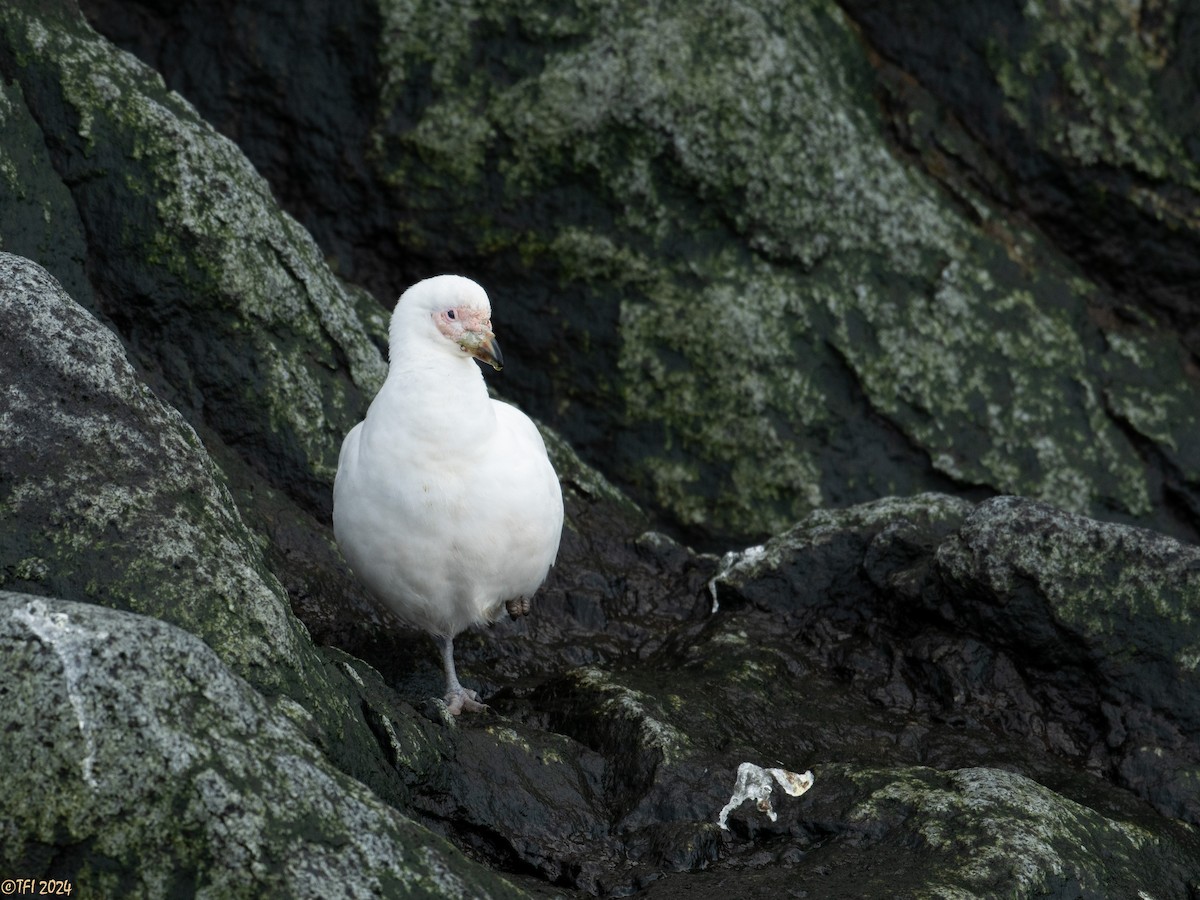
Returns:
(138, 765)
(767, 308)
(836, 257)
(1086, 120)
(984, 832)
(1070, 631)
(221, 296)
(1109, 606)
(109, 494)
(109, 497)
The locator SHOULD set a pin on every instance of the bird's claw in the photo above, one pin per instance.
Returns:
(464, 699)
(518, 606)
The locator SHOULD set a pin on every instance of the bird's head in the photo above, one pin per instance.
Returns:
(460, 312)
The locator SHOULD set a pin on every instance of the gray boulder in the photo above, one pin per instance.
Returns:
(110, 497)
(138, 765)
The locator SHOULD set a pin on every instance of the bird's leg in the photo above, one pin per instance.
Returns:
(457, 697)
(518, 606)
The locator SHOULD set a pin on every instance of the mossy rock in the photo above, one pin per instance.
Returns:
(151, 770)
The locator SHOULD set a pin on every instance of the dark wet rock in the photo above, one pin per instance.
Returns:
(138, 765)
(758, 305)
(1105, 614)
(1087, 122)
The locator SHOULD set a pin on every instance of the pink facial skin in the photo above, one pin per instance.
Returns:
(471, 329)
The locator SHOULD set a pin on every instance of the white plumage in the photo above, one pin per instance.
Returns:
(445, 503)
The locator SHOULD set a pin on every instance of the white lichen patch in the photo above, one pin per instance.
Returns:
(353, 674)
(717, 368)
(756, 783)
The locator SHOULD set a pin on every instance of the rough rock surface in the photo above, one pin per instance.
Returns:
(138, 764)
(1113, 174)
(994, 697)
(109, 497)
(224, 300)
(771, 291)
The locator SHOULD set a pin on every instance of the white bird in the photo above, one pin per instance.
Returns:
(445, 503)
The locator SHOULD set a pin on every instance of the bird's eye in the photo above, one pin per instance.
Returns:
(450, 314)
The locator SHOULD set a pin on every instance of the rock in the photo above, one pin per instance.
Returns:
(1076, 634)
(223, 303)
(224, 300)
(109, 497)
(993, 697)
(137, 764)
(1087, 120)
(778, 294)
(1096, 611)
(968, 832)
(839, 644)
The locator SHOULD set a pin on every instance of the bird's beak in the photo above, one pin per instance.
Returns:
(484, 347)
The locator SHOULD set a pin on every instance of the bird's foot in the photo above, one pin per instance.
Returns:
(518, 607)
(463, 699)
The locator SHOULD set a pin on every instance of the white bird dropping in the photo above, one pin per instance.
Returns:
(445, 503)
